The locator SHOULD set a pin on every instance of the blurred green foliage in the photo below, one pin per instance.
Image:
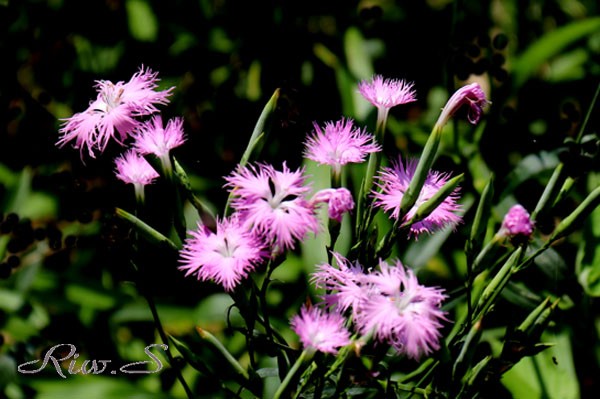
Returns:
(64, 269)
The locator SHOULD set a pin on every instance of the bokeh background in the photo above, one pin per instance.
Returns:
(64, 255)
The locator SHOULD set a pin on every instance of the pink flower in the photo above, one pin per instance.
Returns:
(390, 305)
(345, 285)
(273, 203)
(152, 138)
(339, 201)
(401, 312)
(134, 169)
(320, 331)
(517, 223)
(393, 183)
(339, 143)
(386, 93)
(113, 112)
(470, 95)
(225, 257)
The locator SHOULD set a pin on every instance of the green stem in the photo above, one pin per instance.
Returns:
(224, 352)
(422, 170)
(363, 209)
(263, 301)
(305, 355)
(150, 234)
(165, 339)
(588, 114)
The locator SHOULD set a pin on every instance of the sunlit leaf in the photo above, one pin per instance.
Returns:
(143, 24)
(549, 374)
(549, 45)
(588, 255)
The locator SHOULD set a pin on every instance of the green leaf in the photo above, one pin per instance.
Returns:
(530, 166)
(10, 301)
(345, 82)
(91, 297)
(570, 66)
(194, 360)
(314, 249)
(95, 386)
(94, 58)
(8, 371)
(550, 374)
(143, 24)
(550, 45)
(360, 65)
(260, 129)
(213, 309)
(480, 221)
(588, 256)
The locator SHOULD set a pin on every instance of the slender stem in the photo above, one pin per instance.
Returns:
(223, 351)
(363, 209)
(263, 302)
(290, 375)
(470, 278)
(240, 301)
(588, 114)
(271, 266)
(165, 340)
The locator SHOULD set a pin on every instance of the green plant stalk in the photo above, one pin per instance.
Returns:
(491, 292)
(469, 343)
(430, 205)
(576, 218)
(305, 378)
(542, 322)
(206, 215)
(475, 241)
(247, 308)
(564, 190)
(588, 115)
(473, 375)
(427, 364)
(150, 234)
(163, 336)
(408, 388)
(363, 210)
(488, 251)
(550, 191)
(256, 139)
(537, 321)
(340, 359)
(480, 221)
(237, 367)
(425, 161)
(304, 356)
(529, 321)
(164, 166)
(263, 299)
(165, 340)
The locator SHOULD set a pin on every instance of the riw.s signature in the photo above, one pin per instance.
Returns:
(91, 366)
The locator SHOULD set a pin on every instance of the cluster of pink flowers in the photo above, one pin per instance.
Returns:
(272, 213)
(388, 304)
(116, 115)
(274, 209)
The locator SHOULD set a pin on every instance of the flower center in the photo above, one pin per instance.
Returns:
(226, 249)
(111, 97)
